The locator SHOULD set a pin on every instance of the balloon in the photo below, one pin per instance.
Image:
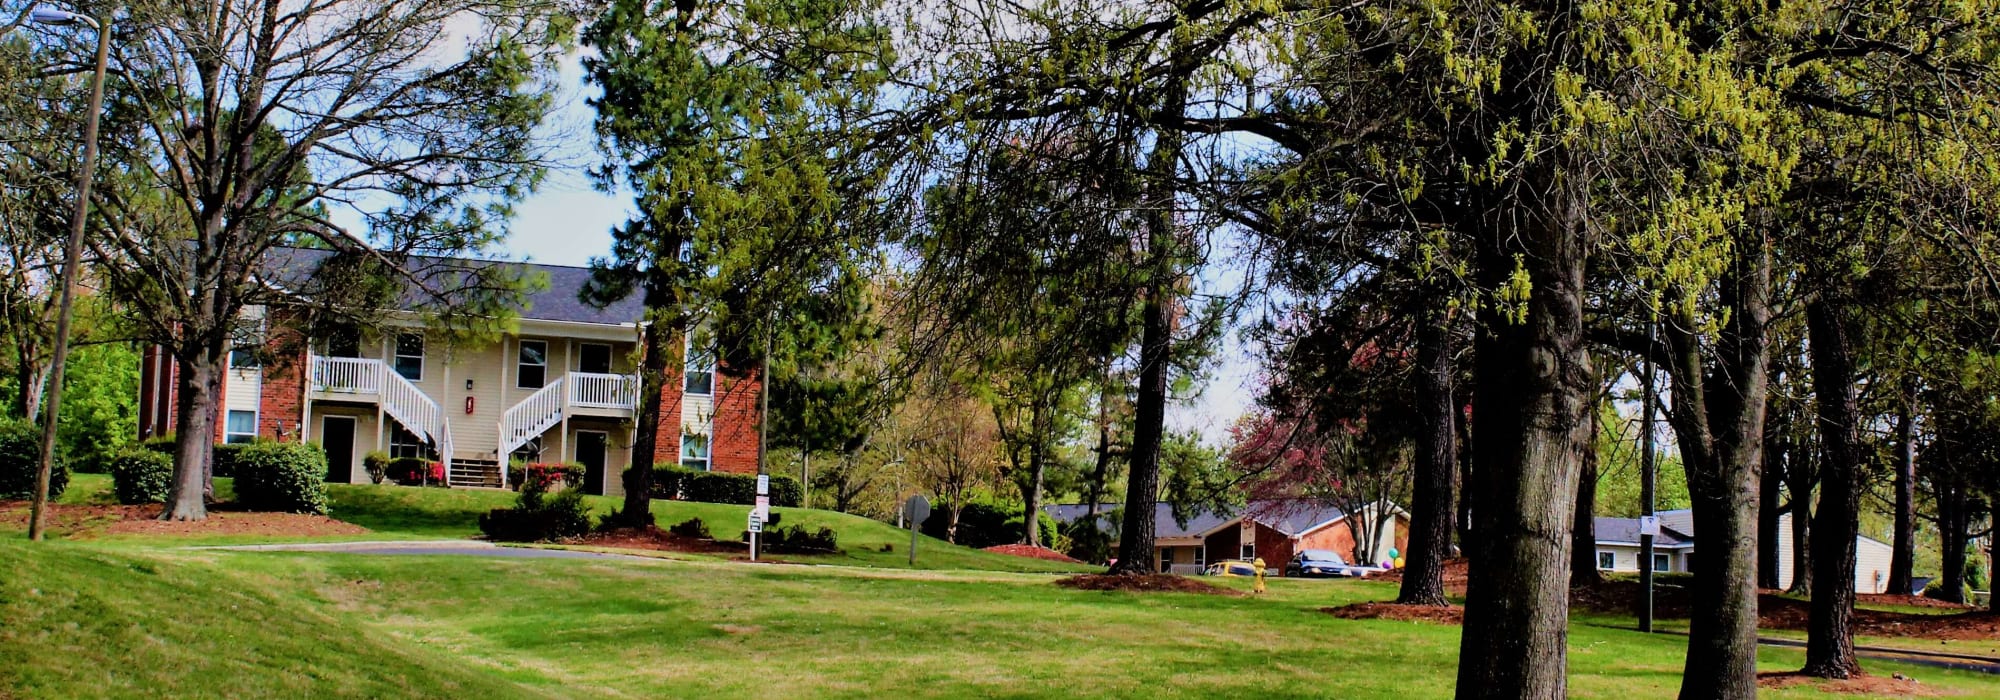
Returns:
(1399, 562)
(1393, 554)
(1385, 563)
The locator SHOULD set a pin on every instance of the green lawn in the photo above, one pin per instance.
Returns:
(88, 620)
(140, 617)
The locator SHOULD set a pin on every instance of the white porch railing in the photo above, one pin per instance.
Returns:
(590, 390)
(399, 398)
(531, 417)
(346, 375)
(1185, 569)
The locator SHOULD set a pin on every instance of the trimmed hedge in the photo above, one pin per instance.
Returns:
(570, 474)
(677, 483)
(223, 461)
(20, 457)
(141, 476)
(796, 540)
(416, 471)
(376, 463)
(285, 477)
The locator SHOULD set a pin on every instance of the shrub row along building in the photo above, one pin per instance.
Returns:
(558, 386)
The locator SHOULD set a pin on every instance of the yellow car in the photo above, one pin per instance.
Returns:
(1232, 568)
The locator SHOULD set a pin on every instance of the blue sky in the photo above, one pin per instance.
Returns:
(568, 222)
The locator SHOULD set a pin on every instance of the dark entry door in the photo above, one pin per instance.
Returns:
(590, 453)
(336, 434)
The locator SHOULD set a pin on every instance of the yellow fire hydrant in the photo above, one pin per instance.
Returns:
(1259, 565)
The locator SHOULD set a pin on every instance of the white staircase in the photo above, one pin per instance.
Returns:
(399, 398)
(533, 416)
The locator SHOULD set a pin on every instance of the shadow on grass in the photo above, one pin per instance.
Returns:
(413, 510)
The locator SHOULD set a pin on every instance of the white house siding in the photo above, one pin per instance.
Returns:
(243, 389)
(1871, 560)
(1625, 558)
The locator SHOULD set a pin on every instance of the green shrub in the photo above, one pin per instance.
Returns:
(163, 444)
(141, 476)
(376, 463)
(538, 516)
(692, 527)
(20, 458)
(980, 524)
(673, 482)
(286, 477)
(228, 454)
(796, 540)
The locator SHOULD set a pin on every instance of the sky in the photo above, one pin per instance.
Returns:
(567, 222)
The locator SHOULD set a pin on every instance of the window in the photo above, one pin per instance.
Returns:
(410, 356)
(1607, 561)
(1200, 557)
(1249, 552)
(343, 342)
(1166, 559)
(241, 427)
(534, 365)
(244, 357)
(593, 358)
(1661, 562)
(700, 375)
(694, 451)
(403, 443)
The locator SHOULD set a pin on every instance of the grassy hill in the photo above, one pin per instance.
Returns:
(403, 512)
(86, 622)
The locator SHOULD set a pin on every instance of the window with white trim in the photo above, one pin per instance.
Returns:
(699, 372)
(403, 443)
(593, 358)
(240, 427)
(244, 357)
(1662, 563)
(695, 451)
(1166, 559)
(1607, 561)
(410, 356)
(1249, 552)
(533, 365)
(1200, 557)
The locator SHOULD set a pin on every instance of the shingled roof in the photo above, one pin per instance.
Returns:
(558, 302)
(1626, 531)
(1293, 517)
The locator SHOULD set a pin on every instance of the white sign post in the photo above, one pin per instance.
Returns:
(756, 526)
(1649, 525)
(760, 513)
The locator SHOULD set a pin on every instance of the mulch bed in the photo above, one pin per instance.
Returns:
(84, 521)
(1144, 583)
(1448, 615)
(656, 539)
(1915, 601)
(1893, 686)
(1043, 553)
(1778, 612)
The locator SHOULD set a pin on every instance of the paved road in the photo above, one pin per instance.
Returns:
(461, 548)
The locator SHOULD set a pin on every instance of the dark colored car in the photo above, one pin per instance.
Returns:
(1319, 563)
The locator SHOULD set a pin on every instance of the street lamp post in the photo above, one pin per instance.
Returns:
(72, 256)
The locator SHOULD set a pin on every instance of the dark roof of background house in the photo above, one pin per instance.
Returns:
(558, 302)
(1627, 530)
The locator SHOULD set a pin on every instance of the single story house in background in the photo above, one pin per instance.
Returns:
(1272, 530)
(1618, 549)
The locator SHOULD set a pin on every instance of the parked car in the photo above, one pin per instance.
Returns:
(1320, 563)
(1231, 568)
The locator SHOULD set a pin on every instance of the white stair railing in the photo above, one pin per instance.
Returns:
(531, 417)
(413, 408)
(592, 390)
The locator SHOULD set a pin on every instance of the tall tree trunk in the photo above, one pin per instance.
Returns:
(1135, 538)
(1902, 555)
(1830, 627)
(1952, 520)
(1583, 536)
(1801, 478)
(1462, 482)
(1437, 457)
(198, 388)
(1534, 380)
(31, 378)
(1031, 497)
(638, 478)
(1722, 626)
(1770, 496)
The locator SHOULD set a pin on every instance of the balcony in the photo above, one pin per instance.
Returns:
(346, 378)
(603, 394)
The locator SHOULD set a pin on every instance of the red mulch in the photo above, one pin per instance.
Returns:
(1149, 583)
(1022, 550)
(1454, 576)
(1915, 601)
(1448, 615)
(83, 521)
(1862, 684)
(654, 538)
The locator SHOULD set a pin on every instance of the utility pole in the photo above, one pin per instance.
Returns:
(1646, 485)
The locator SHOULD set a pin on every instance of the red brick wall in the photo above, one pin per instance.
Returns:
(1337, 538)
(735, 444)
(667, 447)
(1227, 544)
(1273, 547)
(281, 401)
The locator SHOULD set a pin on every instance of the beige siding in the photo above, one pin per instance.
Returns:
(1870, 559)
(364, 434)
